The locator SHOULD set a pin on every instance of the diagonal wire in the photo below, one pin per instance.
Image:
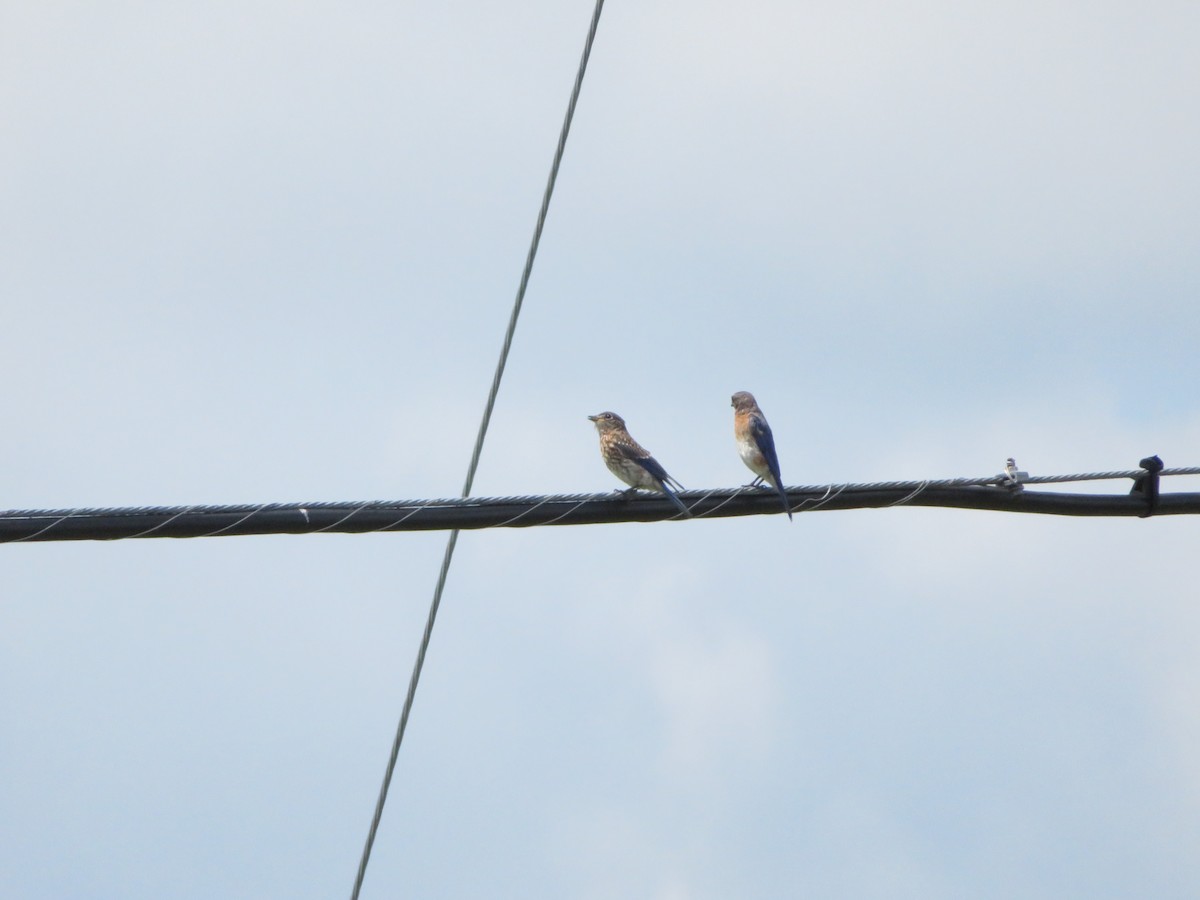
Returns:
(474, 464)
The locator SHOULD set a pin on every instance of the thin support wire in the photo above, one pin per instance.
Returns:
(404, 518)
(163, 524)
(710, 512)
(566, 512)
(48, 527)
(346, 518)
(237, 522)
(478, 449)
(829, 496)
(523, 513)
(920, 487)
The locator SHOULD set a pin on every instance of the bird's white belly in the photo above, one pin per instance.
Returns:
(753, 458)
(633, 474)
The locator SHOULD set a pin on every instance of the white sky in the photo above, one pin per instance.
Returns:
(265, 252)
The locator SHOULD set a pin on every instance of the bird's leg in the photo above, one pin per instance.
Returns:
(755, 483)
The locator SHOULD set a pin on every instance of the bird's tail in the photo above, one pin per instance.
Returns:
(787, 504)
(674, 499)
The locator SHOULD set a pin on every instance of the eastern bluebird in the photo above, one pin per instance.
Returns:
(631, 462)
(756, 444)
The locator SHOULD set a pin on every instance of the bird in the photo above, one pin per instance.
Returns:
(631, 462)
(756, 444)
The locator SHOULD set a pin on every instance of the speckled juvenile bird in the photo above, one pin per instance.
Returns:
(631, 462)
(756, 444)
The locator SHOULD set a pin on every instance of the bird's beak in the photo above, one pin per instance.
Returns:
(592, 418)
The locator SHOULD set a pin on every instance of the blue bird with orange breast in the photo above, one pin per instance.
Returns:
(631, 462)
(756, 444)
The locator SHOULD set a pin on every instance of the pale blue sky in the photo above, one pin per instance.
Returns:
(266, 252)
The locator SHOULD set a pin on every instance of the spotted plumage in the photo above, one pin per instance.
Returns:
(631, 462)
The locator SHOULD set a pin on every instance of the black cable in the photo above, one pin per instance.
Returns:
(555, 509)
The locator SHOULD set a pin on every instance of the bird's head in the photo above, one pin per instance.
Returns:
(607, 421)
(743, 400)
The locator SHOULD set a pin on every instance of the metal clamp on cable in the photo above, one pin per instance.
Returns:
(1012, 477)
(1147, 484)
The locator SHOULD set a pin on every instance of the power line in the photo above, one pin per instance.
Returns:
(993, 492)
(452, 541)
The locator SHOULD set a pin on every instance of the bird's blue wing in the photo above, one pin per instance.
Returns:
(765, 441)
(656, 471)
(649, 463)
(654, 467)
